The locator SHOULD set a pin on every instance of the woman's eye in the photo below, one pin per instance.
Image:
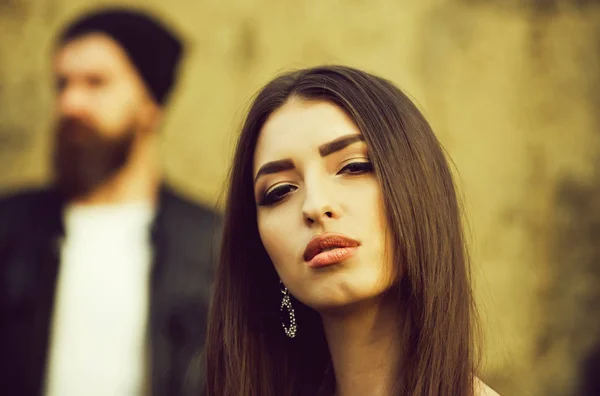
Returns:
(357, 168)
(276, 194)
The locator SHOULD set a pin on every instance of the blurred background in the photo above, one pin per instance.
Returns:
(512, 89)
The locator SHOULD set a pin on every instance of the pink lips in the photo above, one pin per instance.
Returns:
(327, 249)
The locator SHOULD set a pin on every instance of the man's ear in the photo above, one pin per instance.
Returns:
(156, 116)
(152, 116)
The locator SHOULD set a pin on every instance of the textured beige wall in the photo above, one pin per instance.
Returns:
(512, 88)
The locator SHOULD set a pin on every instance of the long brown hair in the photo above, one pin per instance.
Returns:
(247, 353)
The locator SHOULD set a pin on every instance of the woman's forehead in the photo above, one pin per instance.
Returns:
(301, 125)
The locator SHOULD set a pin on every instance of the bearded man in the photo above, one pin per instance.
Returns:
(105, 276)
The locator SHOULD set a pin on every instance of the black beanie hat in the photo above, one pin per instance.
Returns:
(153, 50)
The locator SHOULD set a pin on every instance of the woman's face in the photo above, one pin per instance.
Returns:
(320, 207)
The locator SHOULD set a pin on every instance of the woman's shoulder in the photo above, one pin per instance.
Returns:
(481, 389)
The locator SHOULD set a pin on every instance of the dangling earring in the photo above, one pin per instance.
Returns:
(287, 303)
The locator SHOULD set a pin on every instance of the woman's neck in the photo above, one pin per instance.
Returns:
(365, 345)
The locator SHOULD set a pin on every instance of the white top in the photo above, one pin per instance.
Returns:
(98, 338)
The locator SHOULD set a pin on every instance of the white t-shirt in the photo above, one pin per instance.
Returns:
(98, 338)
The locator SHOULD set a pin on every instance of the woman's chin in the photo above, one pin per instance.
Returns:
(335, 302)
(342, 291)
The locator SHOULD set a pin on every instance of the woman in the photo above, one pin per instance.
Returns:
(343, 268)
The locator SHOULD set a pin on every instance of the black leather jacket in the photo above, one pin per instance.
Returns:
(184, 237)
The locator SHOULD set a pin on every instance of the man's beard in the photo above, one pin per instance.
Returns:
(84, 158)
